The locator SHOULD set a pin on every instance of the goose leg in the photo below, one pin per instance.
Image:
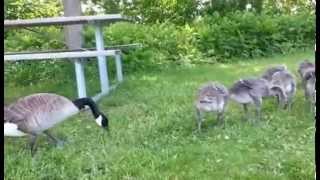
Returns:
(223, 113)
(312, 106)
(290, 103)
(221, 118)
(309, 101)
(57, 141)
(306, 95)
(291, 96)
(285, 104)
(279, 103)
(32, 144)
(245, 108)
(199, 119)
(258, 113)
(257, 102)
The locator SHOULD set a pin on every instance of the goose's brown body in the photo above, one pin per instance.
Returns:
(36, 113)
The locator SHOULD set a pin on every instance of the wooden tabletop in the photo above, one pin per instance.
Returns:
(63, 20)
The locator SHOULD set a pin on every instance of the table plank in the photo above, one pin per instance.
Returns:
(63, 20)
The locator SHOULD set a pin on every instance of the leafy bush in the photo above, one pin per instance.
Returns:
(22, 9)
(214, 38)
(247, 35)
(28, 73)
(163, 43)
(34, 39)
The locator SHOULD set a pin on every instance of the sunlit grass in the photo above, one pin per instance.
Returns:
(153, 132)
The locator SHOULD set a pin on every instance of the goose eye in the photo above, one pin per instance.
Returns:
(104, 123)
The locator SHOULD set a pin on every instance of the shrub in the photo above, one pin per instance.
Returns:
(214, 38)
(246, 35)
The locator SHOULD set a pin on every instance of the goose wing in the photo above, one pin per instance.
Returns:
(41, 102)
(11, 116)
(269, 72)
(210, 92)
(15, 120)
(249, 83)
(41, 111)
(241, 86)
(283, 78)
(222, 90)
(256, 87)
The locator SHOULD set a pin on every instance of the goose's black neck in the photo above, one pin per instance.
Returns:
(82, 102)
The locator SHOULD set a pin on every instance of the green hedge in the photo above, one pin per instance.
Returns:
(246, 35)
(211, 39)
(216, 38)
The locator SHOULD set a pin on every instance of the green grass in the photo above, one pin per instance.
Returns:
(153, 132)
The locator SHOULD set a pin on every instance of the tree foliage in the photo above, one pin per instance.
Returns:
(26, 9)
(185, 11)
(170, 31)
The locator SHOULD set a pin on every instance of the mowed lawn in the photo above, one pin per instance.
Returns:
(153, 132)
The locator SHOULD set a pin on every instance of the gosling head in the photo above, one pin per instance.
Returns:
(279, 92)
(309, 75)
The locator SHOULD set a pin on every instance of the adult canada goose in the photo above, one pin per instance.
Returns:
(35, 114)
(251, 91)
(286, 81)
(212, 97)
(267, 75)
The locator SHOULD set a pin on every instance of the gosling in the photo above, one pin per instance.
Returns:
(212, 97)
(305, 67)
(285, 80)
(310, 90)
(252, 91)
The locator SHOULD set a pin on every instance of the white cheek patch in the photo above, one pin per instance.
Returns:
(11, 129)
(99, 120)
